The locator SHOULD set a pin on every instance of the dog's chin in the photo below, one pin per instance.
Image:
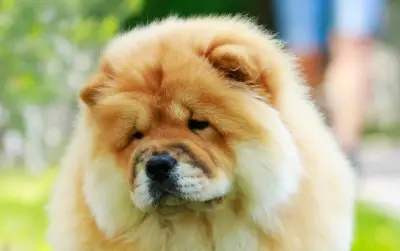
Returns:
(181, 205)
(170, 205)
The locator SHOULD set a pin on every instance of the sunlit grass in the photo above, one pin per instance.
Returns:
(23, 220)
(22, 215)
(375, 231)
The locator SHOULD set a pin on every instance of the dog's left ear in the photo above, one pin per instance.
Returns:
(233, 62)
(242, 66)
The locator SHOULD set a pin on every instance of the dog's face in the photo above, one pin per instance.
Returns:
(189, 118)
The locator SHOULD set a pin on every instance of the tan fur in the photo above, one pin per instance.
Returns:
(290, 188)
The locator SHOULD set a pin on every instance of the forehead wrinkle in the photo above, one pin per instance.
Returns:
(169, 111)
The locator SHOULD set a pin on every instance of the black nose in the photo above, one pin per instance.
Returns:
(158, 168)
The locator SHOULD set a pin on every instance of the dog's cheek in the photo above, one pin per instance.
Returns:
(268, 172)
(265, 180)
(107, 197)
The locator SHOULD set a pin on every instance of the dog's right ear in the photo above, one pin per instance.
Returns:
(93, 89)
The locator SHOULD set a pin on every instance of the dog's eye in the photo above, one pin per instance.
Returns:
(195, 125)
(137, 135)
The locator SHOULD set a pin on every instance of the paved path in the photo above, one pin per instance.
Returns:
(380, 180)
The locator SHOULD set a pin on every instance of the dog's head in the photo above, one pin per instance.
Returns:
(190, 112)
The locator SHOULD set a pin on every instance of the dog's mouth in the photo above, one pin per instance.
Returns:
(171, 205)
(169, 198)
(185, 188)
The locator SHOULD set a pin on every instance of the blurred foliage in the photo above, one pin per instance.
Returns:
(36, 39)
(23, 220)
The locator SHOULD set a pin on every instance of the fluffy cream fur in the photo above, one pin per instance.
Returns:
(296, 187)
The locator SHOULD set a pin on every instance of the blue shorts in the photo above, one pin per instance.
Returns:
(305, 24)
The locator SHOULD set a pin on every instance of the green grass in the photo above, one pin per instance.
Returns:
(374, 132)
(22, 216)
(375, 230)
(23, 220)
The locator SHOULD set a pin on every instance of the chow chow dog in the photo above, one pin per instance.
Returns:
(197, 134)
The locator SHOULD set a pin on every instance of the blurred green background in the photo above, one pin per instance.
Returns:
(48, 48)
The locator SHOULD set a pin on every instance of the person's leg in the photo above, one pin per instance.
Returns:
(347, 75)
(299, 26)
